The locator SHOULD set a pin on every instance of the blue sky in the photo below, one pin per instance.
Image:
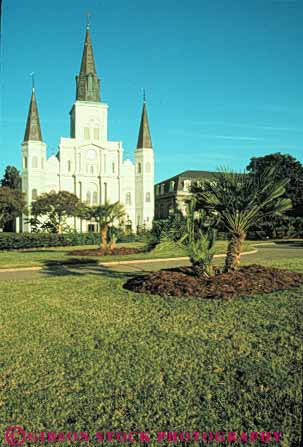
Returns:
(224, 79)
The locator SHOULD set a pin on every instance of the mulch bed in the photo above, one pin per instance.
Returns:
(101, 252)
(248, 280)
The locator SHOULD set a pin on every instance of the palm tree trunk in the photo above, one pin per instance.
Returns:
(103, 234)
(232, 260)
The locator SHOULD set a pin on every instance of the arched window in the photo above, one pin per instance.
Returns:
(95, 198)
(69, 165)
(86, 133)
(92, 194)
(90, 82)
(139, 168)
(147, 167)
(35, 162)
(88, 197)
(34, 194)
(113, 167)
(25, 162)
(128, 199)
(91, 169)
(147, 197)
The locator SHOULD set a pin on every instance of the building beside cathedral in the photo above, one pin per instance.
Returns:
(87, 163)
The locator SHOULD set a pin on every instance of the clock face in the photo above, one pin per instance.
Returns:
(91, 154)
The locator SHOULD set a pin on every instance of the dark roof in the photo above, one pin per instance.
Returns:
(88, 84)
(197, 174)
(144, 138)
(33, 129)
(190, 175)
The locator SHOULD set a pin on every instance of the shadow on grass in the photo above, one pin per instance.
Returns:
(290, 244)
(36, 250)
(54, 268)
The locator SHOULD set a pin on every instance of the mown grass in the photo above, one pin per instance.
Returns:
(41, 256)
(81, 353)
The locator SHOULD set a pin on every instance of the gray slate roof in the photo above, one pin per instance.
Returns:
(88, 84)
(33, 129)
(144, 138)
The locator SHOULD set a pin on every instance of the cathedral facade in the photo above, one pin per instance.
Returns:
(87, 163)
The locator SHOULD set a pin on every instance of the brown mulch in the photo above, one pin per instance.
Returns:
(101, 252)
(248, 280)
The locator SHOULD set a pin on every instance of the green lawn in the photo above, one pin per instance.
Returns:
(80, 353)
(38, 257)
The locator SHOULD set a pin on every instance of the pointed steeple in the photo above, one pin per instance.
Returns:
(33, 129)
(88, 84)
(144, 139)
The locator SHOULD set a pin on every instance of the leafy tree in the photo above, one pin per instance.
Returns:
(11, 204)
(105, 215)
(242, 200)
(286, 167)
(11, 178)
(56, 207)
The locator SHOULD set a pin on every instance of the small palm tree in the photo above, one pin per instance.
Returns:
(242, 200)
(105, 215)
(199, 239)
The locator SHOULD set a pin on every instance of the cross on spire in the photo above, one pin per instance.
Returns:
(32, 74)
(88, 14)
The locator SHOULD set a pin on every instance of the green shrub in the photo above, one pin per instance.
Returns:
(13, 241)
(282, 227)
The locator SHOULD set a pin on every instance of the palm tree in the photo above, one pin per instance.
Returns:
(199, 238)
(242, 200)
(105, 215)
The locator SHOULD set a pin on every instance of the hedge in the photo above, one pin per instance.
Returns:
(15, 241)
(12, 241)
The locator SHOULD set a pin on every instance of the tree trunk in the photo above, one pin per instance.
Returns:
(232, 260)
(103, 234)
(112, 244)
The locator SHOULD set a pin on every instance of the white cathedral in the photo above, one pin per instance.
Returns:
(87, 163)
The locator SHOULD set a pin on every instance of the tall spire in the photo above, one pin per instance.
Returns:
(144, 139)
(33, 129)
(88, 84)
